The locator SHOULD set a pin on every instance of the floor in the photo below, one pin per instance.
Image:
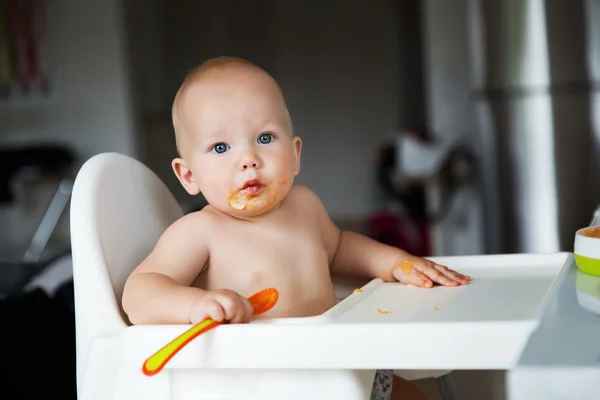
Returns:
(470, 385)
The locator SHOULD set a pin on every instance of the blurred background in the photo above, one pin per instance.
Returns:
(446, 127)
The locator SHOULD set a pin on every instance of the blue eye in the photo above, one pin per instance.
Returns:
(220, 148)
(265, 138)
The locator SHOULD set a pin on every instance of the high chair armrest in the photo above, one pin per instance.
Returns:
(335, 346)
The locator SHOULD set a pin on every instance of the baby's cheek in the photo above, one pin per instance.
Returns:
(283, 187)
(215, 191)
(284, 164)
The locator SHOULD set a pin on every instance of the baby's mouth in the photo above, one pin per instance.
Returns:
(251, 196)
(252, 187)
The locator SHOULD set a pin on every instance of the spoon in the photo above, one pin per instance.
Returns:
(262, 302)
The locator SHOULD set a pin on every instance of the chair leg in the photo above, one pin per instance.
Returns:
(49, 221)
(447, 387)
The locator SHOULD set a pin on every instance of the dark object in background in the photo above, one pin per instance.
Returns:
(15, 275)
(38, 338)
(410, 228)
(45, 158)
(411, 196)
(458, 168)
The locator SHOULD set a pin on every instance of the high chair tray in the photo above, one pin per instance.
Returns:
(483, 325)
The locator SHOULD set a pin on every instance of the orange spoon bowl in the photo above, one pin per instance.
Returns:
(261, 302)
(264, 300)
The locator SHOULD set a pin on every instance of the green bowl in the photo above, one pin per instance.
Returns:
(588, 265)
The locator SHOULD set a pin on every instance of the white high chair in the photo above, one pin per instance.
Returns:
(119, 208)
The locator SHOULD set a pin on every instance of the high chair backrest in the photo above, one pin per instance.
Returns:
(119, 209)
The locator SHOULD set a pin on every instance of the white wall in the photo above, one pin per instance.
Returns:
(340, 78)
(593, 30)
(336, 62)
(449, 77)
(90, 109)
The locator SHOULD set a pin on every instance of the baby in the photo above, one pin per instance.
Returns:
(237, 146)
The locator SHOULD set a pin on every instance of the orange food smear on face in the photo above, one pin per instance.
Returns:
(234, 201)
(260, 202)
(253, 203)
(593, 232)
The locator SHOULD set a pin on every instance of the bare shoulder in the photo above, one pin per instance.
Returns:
(187, 228)
(303, 194)
(309, 203)
(304, 200)
(182, 250)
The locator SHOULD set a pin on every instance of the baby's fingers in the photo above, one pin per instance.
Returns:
(408, 273)
(229, 305)
(453, 275)
(243, 311)
(424, 273)
(212, 310)
(437, 275)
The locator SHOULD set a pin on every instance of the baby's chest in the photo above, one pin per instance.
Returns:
(284, 251)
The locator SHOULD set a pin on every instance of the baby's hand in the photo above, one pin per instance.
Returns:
(221, 305)
(421, 272)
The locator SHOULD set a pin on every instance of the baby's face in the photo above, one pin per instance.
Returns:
(238, 145)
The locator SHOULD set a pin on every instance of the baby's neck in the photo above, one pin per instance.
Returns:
(255, 218)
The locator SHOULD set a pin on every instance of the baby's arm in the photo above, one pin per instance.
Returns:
(357, 256)
(159, 290)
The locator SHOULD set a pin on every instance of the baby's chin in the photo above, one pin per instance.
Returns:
(253, 202)
(241, 204)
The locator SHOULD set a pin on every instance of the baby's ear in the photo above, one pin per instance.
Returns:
(184, 174)
(297, 142)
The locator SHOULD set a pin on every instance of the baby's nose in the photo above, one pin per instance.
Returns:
(249, 159)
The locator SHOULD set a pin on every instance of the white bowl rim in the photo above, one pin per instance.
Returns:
(586, 246)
